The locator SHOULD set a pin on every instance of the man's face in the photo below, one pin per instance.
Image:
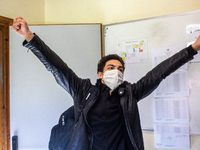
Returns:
(111, 65)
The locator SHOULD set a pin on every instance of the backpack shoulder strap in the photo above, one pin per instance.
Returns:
(87, 98)
(89, 95)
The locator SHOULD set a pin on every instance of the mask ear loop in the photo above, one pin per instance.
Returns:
(103, 76)
(102, 81)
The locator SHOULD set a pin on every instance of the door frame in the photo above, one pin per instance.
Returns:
(5, 87)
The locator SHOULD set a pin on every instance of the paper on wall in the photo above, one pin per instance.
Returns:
(173, 110)
(172, 136)
(175, 85)
(162, 53)
(133, 51)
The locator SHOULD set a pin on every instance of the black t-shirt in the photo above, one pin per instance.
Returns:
(106, 123)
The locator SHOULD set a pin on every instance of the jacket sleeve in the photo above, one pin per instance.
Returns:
(152, 79)
(64, 76)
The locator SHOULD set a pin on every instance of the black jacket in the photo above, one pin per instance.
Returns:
(82, 137)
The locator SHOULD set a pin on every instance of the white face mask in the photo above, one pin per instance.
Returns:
(113, 78)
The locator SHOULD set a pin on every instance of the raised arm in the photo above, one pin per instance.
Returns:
(152, 79)
(64, 76)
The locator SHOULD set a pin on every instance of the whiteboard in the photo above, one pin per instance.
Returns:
(36, 100)
(161, 32)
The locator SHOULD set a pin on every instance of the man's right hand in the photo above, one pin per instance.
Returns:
(196, 45)
(20, 26)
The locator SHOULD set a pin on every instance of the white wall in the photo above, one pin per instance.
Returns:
(32, 10)
(113, 11)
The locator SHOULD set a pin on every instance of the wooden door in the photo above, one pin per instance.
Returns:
(4, 84)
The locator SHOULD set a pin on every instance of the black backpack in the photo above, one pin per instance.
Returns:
(61, 133)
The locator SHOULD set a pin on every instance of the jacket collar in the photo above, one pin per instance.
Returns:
(121, 88)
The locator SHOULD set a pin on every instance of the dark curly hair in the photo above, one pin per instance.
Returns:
(102, 61)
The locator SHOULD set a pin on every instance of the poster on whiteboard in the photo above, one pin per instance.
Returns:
(133, 51)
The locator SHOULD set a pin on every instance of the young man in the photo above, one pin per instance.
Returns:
(111, 120)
